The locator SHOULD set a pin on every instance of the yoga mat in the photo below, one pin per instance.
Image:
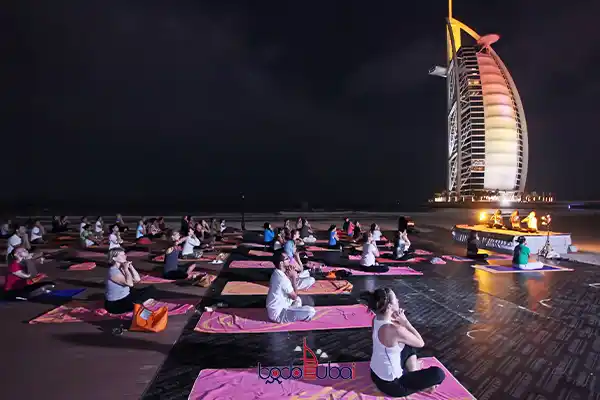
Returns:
(205, 257)
(316, 248)
(65, 238)
(213, 384)
(224, 246)
(253, 245)
(154, 279)
(261, 288)
(391, 271)
(86, 311)
(254, 320)
(413, 260)
(501, 269)
(259, 253)
(65, 293)
(144, 241)
(86, 266)
(137, 254)
(251, 264)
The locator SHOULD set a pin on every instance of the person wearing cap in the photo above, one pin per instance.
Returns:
(521, 256)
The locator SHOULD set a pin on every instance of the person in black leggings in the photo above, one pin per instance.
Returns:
(395, 369)
(473, 249)
(171, 268)
(120, 295)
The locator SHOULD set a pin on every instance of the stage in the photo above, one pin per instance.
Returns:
(505, 240)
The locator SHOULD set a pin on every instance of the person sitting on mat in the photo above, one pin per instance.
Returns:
(306, 233)
(376, 232)
(114, 239)
(185, 224)
(279, 240)
(515, 221)
(162, 225)
(531, 221)
(5, 230)
(64, 223)
(191, 241)
(16, 240)
(368, 260)
(84, 222)
(55, 224)
(287, 224)
(140, 231)
(120, 294)
(283, 303)
(215, 228)
(346, 225)
(350, 230)
(395, 369)
(99, 227)
(120, 223)
(268, 234)
(37, 232)
(473, 248)
(152, 229)
(496, 221)
(17, 284)
(521, 256)
(171, 267)
(299, 223)
(402, 249)
(222, 227)
(290, 249)
(87, 237)
(333, 238)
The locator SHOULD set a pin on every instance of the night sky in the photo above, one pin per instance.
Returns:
(322, 101)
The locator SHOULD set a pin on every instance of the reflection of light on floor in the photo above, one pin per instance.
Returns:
(536, 287)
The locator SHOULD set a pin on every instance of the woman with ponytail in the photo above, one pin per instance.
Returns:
(395, 369)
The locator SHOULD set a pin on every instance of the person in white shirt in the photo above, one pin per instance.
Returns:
(368, 260)
(395, 369)
(16, 239)
(37, 233)
(223, 227)
(99, 227)
(114, 240)
(87, 236)
(376, 232)
(82, 224)
(283, 303)
(191, 241)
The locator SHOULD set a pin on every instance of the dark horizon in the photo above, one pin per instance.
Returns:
(119, 102)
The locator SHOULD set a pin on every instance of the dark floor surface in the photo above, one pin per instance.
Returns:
(504, 336)
(490, 330)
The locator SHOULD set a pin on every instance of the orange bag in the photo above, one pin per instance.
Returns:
(145, 320)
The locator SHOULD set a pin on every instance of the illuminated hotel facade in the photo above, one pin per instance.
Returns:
(487, 131)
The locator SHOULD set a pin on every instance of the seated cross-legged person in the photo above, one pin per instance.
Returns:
(120, 295)
(15, 240)
(473, 248)
(83, 223)
(17, 284)
(368, 259)
(306, 233)
(191, 241)
(283, 303)
(140, 231)
(99, 227)
(521, 256)
(395, 369)
(357, 232)
(376, 232)
(268, 234)
(87, 237)
(171, 267)
(120, 223)
(6, 229)
(37, 233)
(402, 250)
(279, 240)
(114, 239)
(334, 240)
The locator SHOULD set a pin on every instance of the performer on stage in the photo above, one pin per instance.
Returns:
(515, 221)
(531, 221)
(496, 220)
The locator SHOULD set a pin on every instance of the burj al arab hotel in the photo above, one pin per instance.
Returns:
(487, 132)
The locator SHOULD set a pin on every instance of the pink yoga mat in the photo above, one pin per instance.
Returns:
(251, 264)
(262, 288)
(409, 261)
(86, 266)
(253, 245)
(392, 271)
(89, 254)
(137, 254)
(254, 320)
(242, 384)
(316, 248)
(86, 311)
(259, 253)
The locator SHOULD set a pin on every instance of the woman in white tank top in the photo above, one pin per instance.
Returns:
(394, 366)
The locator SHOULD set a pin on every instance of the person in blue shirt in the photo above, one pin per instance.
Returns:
(289, 248)
(269, 235)
(333, 238)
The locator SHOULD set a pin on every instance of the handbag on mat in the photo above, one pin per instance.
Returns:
(145, 320)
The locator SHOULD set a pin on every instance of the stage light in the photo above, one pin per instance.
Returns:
(483, 216)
